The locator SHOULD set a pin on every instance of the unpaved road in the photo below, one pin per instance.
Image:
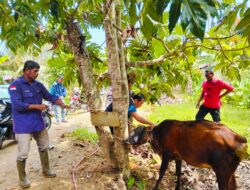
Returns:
(8, 172)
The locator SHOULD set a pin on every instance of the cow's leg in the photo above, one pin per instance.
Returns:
(164, 165)
(232, 182)
(223, 178)
(224, 166)
(178, 174)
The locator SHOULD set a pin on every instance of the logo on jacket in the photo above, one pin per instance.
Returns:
(12, 87)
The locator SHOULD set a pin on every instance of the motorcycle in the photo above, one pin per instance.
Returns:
(77, 103)
(6, 122)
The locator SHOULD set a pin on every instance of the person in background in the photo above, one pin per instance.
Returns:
(211, 94)
(108, 100)
(26, 95)
(58, 89)
(134, 103)
(137, 101)
(8, 79)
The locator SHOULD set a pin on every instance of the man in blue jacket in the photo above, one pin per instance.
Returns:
(26, 97)
(59, 90)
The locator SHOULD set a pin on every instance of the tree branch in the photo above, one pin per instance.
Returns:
(163, 57)
(214, 49)
(160, 59)
(215, 38)
(224, 52)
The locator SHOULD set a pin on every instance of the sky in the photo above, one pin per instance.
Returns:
(98, 36)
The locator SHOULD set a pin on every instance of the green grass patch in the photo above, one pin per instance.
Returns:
(84, 135)
(236, 119)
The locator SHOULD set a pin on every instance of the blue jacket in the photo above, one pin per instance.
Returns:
(58, 89)
(22, 94)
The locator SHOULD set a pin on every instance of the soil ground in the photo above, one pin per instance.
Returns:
(93, 172)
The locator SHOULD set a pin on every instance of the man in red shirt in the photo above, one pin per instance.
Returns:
(211, 93)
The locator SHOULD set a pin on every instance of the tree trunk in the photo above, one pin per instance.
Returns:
(117, 72)
(77, 42)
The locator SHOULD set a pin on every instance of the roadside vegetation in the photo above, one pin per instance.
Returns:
(84, 135)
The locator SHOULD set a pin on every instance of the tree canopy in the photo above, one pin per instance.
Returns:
(166, 42)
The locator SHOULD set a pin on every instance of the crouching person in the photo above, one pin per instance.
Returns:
(26, 97)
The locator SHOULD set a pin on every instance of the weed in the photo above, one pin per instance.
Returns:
(84, 135)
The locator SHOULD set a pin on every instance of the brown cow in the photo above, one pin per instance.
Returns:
(202, 144)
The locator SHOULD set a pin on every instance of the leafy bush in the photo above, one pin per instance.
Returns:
(241, 96)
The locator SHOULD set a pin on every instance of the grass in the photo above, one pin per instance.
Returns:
(236, 119)
(84, 135)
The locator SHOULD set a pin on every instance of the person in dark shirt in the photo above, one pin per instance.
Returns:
(26, 95)
(134, 103)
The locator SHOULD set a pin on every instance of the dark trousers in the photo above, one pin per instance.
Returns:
(203, 111)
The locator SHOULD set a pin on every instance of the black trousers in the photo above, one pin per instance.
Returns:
(203, 111)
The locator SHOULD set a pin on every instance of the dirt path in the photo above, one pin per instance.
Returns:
(62, 159)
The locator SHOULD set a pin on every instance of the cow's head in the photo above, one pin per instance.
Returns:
(139, 136)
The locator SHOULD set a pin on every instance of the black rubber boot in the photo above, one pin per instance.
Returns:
(23, 179)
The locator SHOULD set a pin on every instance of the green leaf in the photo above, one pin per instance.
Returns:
(174, 15)
(184, 19)
(197, 18)
(161, 5)
(231, 18)
(131, 182)
(244, 24)
(132, 12)
(54, 8)
(209, 6)
(152, 11)
(158, 48)
(233, 73)
(147, 27)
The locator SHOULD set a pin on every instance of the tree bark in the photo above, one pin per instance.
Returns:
(76, 41)
(117, 72)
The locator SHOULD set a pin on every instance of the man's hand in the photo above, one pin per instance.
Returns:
(60, 103)
(198, 105)
(65, 106)
(225, 93)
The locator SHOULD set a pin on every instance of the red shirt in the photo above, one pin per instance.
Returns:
(211, 91)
